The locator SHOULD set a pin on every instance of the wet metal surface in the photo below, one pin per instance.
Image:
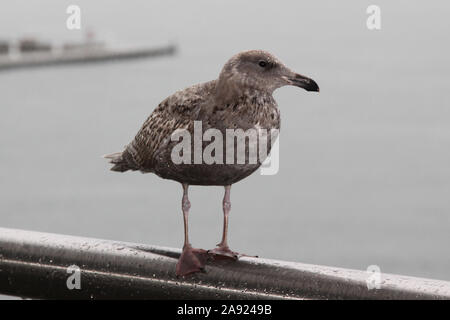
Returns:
(34, 264)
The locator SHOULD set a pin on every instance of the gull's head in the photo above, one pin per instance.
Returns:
(260, 70)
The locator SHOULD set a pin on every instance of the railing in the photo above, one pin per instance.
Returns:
(42, 265)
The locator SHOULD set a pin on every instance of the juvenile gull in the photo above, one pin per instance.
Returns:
(241, 98)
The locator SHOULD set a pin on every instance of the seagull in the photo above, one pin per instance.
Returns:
(241, 98)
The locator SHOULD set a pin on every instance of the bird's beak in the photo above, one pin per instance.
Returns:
(306, 83)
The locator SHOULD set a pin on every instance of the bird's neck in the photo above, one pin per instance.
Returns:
(228, 91)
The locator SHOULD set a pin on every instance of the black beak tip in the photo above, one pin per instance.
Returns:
(312, 86)
(304, 82)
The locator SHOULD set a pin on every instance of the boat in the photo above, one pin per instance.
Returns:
(29, 52)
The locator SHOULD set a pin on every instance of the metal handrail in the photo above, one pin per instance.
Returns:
(38, 265)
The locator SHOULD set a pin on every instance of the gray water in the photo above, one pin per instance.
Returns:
(364, 176)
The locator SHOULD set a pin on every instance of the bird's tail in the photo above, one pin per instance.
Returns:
(118, 161)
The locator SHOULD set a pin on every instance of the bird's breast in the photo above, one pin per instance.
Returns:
(224, 144)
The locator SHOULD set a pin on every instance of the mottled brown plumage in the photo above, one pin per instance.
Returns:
(150, 151)
(241, 98)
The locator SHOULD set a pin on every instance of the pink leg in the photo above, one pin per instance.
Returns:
(191, 260)
(222, 250)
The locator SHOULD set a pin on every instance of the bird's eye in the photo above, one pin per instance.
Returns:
(262, 64)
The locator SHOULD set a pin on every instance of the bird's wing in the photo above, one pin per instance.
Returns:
(176, 112)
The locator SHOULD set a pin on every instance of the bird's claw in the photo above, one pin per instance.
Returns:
(192, 260)
(223, 252)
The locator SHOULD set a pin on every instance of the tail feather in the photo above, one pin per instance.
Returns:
(113, 156)
(120, 164)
